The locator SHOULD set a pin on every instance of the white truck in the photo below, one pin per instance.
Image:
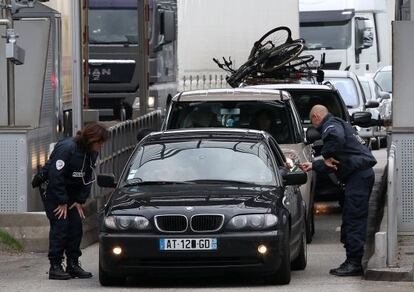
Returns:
(215, 28)
(352, 34)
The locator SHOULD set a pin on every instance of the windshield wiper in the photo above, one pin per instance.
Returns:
(220, 181)
(159, 182)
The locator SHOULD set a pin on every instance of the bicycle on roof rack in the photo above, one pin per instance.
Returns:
(274, 56)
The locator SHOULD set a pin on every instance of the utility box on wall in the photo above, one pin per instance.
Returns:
(403, 122)
(25, 146)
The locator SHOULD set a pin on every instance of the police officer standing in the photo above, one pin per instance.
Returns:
(352, 163)
(70, 173)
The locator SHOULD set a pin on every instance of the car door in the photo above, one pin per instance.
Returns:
(305, 153)
(292, 199)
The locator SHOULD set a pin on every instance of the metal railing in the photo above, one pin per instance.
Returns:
(122, 140)
(392, 223)
(200, 82)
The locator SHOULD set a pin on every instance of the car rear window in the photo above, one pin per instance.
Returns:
(384, 80)
(203, 159)
(305, 99)
(347, 89)
(272, 117)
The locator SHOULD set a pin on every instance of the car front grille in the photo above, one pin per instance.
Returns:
(206, 223)
(171, 223)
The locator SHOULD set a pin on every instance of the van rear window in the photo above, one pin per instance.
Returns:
(272, 117)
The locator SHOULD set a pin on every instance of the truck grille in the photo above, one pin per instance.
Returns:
(171, 223)
(206, 223)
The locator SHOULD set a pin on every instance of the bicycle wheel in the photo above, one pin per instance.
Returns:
(301, 60)
(281, 56)
(272, 39)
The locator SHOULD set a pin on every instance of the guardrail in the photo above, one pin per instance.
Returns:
(199, 82)
(392, 223)
(122, 140)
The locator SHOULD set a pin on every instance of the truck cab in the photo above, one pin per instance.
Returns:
(114, 55)
(346, 31)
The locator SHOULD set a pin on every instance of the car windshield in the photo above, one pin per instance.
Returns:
(113, 26)
(306, 99)
(327, 35)
(272, 117)
(202, 160)
(347, 89)
(384, 80)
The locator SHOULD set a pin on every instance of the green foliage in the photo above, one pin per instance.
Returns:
(10, 241)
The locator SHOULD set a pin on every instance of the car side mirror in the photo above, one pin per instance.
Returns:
(384, 95)
(295, 178)
(372, 104)
(312, 135)
(362, 119)
(106, 180)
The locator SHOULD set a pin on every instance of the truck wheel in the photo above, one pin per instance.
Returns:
(383, 142)
(123, 111)
(109, 280)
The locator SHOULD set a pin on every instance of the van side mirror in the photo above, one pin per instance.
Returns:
(364, 36)
(372, 104)
(312, 135)
(295, 178)
(362, 119)
(106, 180)
(384, 95)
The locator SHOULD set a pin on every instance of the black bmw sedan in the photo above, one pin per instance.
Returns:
(204, 201)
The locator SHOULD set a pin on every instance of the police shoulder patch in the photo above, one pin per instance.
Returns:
(60, 164)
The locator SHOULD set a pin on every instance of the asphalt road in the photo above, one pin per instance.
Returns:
(28, 271)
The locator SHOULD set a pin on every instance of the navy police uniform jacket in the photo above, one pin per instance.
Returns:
(69, 171)
(340, 142)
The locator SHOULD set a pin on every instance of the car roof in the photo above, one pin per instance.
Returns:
(385, 68)
(231, 94)
(366, 77)
(222, 133)
(287, 86)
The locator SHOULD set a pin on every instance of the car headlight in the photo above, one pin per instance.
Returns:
(252, 221)
(127, 222)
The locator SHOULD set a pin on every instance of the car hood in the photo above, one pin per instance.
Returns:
(147, 200)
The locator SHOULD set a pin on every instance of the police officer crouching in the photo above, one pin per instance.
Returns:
(70, 173)
(352, 163)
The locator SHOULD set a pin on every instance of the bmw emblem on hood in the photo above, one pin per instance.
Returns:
(189, 208)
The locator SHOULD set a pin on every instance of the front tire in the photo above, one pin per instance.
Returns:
(109, 280)
(283, 274)
(310, 225)
(302, 259)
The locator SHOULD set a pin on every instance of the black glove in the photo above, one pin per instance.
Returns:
(37, 180)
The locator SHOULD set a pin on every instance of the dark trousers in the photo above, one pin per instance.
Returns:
(358, 189)
(65, 235)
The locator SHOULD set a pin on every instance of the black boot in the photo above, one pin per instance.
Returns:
(56, 272)
(75, 270)
(348, 268)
